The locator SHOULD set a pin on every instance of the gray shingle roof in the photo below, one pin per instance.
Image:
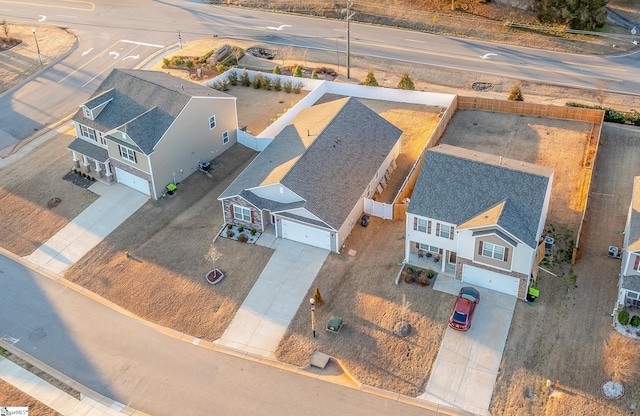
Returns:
(456, 185)
(327, 155)
(89, 149)
(631, 282)
(634, 217)
(144, 104)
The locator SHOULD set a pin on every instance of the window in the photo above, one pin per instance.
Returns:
(212, 122)
(87, 113)
(445, 231)
(427, 247)
(493, 250)
(633, 295)
(636, 264)
(103, 141)
(88, 133)
(128, 154)
(422, 225)
(241, 213)
(225, 137)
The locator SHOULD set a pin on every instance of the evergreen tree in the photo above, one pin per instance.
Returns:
(406, 83)
(370, 80)
(577, 14)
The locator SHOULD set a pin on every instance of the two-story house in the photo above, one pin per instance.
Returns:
(629, 280)
(478, 217)
(147, 129)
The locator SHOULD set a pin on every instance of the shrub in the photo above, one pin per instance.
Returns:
(297, 87)
(287, 86)
(243, 238)
(266, 83)
(370, 80)
(409, 270)
(614, 116)
(406, 83)
(423, 280)
(240, 229)
(244, 78)
(190, 64)
(257, 81)
(276, 83)
(221, 68)
(635, 321)
(516, 94)
(611, 115)
(166, 62)
(206, 56)
(623, 317)
(314, 75)
(253, 231)
(221, 85)
(409, 278)
(230, 233)
(229, 226)
(233, 78)
(277, 70)
(430, 273)
(297, 71)
(177, 61)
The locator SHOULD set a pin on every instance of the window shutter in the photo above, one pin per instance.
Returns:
(252, 216)
(637, 263)
(428, 227)
(135, 157)
(506, 253)
(415, 223)
(451, 232)
(418, 246)
(232, 208)
(480, 248)
(437, 229)
(440, 252)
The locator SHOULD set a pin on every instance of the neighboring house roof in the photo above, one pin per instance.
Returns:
(89, 149)
(631, 282)
(634, 217)
(327, 156)
(143, 104)
(472, 189)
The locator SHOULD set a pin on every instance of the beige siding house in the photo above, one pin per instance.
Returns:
(478, 217)
(309, 183)
(147, 129)
(629, 281)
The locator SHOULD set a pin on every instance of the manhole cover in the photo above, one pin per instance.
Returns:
(54, 202)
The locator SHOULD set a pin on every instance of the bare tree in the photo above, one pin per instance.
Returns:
(305, 54)
(213, 255)
(5, 28)
(238, 53)
(285, 53)
(404, 309)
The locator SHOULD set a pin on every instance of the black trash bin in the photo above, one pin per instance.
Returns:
(365, 220)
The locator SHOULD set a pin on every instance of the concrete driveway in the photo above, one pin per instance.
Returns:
(467, 364)
(116, 203)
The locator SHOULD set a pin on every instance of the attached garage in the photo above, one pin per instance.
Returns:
(305, 234)
(133, 181)
(490, 280)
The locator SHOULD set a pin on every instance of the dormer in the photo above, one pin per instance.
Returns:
(88, 114)
(91, 109)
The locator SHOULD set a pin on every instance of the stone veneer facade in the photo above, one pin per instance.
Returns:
(117, 164)
(522, 290)
(255, 213)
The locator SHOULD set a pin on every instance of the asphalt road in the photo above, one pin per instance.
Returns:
(106, 29)
(129, 361)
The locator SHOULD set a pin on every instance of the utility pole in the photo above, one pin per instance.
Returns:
(37, 46)
(349, 16)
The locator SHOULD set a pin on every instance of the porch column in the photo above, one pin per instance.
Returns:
(76, 161)
(107, 168)
(85, 163)
(98, 170)
(444, 260)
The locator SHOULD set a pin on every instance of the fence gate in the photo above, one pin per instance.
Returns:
(378, 209)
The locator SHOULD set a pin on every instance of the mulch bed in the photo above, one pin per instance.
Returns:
(78, 180)
(8, 43)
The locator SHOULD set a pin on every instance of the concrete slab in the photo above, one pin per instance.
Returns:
(467, 364)
(274, 299)
(90, 227)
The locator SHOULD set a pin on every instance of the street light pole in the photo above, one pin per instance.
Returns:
(37, 46)
(349, 16)
(313, 316)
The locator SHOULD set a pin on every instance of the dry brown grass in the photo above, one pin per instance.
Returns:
(621, 357)
(13, 396)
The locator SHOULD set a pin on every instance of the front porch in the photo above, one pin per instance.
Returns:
(433, 261)
(91, 160)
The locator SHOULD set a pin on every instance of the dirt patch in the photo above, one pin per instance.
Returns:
(163, 278)
(561, 335)
(21, 60)
(26, 187)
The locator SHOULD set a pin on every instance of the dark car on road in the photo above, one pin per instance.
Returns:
(462, 313)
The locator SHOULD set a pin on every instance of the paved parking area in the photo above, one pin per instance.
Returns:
(467, 364)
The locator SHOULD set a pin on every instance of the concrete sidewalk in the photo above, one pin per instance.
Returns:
(56, 399)
(115, 204)
(467, 364)
(275, 298)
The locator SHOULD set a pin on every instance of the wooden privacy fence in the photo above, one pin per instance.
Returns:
(531, 109)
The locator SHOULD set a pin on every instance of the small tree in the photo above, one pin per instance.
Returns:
(238, 53)
(370, 80)
(257, 81)
(5, 28)
(233, 78)
(516, 94)
(297, 71)
(285, 53)
(189, 64)
(314, 75)
(166, 62)
(317, 297)
(177, 61)
(276, 84)
(406, 83)
(213, 255)
(244, 78)
(277, 70)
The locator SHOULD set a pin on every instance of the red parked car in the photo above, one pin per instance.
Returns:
(462, 313)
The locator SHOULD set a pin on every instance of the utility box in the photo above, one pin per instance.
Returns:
(335, 324)
(364, 221)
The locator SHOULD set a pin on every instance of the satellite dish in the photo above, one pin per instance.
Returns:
(634, 31)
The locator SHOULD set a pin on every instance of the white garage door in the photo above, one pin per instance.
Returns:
(490, 280)
(307, 235)
(133, 181)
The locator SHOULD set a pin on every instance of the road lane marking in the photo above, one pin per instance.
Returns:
(416, 41)
(114, 62)
(42, 18)
(142, 43)
(87, 51)
(131, 57)
(92, 6)
(595, 66)
(112, 53)
(75, 71)
(66, 15)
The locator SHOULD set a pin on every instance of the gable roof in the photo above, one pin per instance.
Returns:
(327, 156)
(634, 217)
(144, 104)
(472, 189)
